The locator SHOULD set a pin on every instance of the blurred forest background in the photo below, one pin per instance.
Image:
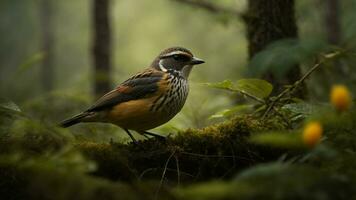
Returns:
(47, 49)
(140, 30)
(57, 57)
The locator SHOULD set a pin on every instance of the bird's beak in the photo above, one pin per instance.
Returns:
(196, 61)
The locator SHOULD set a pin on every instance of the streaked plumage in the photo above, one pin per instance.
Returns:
(147, 99)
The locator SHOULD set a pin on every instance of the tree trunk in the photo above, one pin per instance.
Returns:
(269, 21)
(101, 47)
(332, 21)
(47, 73)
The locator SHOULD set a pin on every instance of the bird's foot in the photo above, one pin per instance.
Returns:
(131, 136)
(160, 137)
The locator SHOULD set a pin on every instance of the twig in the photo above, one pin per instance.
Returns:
(146, 171)
(168, 169)
(233, 162)
(178, 171)
(297, 84)
(248, 95)
(213, 156)
(164, 173)
(252, 97)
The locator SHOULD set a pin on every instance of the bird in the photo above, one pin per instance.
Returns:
(147, 99)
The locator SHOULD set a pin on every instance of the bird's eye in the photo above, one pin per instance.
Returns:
(181, 58)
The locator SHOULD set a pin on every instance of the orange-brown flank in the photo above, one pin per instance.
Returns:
(136, 114)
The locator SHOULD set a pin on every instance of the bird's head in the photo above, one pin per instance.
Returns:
(176, 59)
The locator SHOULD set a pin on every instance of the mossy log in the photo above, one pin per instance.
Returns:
(215, 152)
(38, 161)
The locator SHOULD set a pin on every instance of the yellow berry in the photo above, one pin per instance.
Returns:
(340, 97)
(312, 133)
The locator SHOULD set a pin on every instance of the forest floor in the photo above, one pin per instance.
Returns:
(222, 161)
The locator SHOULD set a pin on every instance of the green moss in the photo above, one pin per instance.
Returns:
(39, 161)
(34, 137)
(112, 163)
(217, 151)
(53, 108)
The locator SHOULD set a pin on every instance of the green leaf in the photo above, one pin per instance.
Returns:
(282, 55)
(257, 88)
(10, 106)
(278, 139)
(226, 84)
(254, 87)
(232, 111)
(300, 108)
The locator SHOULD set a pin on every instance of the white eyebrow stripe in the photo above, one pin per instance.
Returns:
(161, 66)
(175, 53)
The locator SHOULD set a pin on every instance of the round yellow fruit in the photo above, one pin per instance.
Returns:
(340, 97)
(312, 133)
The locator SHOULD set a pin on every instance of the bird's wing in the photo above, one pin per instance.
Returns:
(141, 85)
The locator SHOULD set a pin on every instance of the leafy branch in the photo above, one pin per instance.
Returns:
(260, 90)
(255, 89)
(290, 90)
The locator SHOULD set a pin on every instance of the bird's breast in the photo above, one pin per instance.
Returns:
(148, 113)
(172, 100)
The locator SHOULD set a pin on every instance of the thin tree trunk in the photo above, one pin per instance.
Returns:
(47, 72)
(101, 46)
(269, 21)
(332, 21)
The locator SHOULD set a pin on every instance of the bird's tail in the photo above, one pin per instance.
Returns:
(73, 120)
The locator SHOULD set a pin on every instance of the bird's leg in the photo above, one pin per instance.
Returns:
(131, 136)
(145, 136)
(152, 134)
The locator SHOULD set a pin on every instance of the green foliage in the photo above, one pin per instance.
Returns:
(245, 157)
(255, 89)
(302, 108)
(299, 111)
(39, 160)
(54, 107)
(10, 106)
(281, 55)
(275, 181)
(279, 139)
(33, 181)
(252, 87)
(239, 109)
(40, 156)
(8, 113)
